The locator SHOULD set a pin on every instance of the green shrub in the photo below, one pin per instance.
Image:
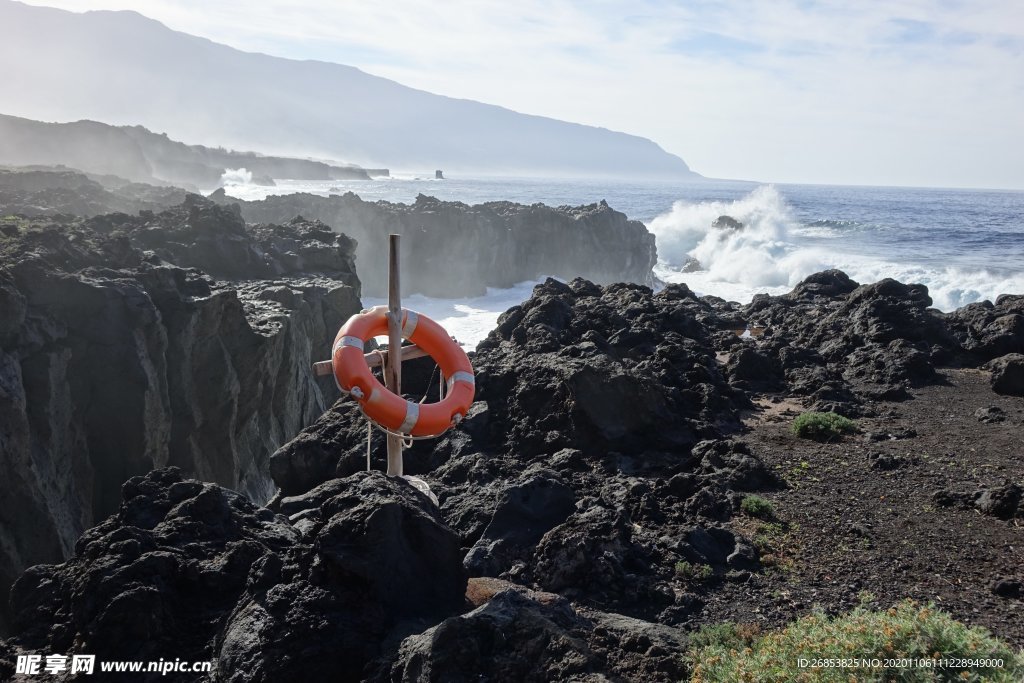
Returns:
(759, 507)
(906, 631)
(728, 635)
(822, 426)
(689, 570)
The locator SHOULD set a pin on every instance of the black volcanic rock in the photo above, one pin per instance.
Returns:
(827, 283)
(596, 478)
(51, 191)
(990, 414)
(985, 330)
(1004, 502)
(542, 638)
(154, 580)
(726, 223)
(1008, 374)
(193, 571)
(748, 368)
(530, 507)
(213, 238)
(373, 552)
(512, 637)
(576, 366)
(597, 433)
(452, 249)
(613, 368)
(834, 339)
(114, 361)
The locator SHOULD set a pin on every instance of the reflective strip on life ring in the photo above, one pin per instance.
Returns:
(388, 409)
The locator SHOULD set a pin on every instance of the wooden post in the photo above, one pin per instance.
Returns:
(393, 374)
(323, 368)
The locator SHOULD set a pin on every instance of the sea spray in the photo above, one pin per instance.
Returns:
(773, 251)
(758, 254)
(236, 176)
(471, 319)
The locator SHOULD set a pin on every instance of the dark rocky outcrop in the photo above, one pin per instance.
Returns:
(839, 343)
(323, 589)
(49, 191)
(726, 223)
(843, 345)
(1004, 502)
(193, 571)
(542, 638)
(591, 494)
(985, 330)
(200, 234)
(598, 433)
(460, 250)
(117, 356)
(1008, 374)
(990, 414)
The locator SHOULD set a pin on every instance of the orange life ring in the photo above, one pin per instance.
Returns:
(382, 406)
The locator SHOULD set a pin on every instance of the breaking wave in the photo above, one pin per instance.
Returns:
(236, 176)
(773, 251)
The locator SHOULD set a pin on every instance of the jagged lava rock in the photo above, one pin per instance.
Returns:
(1008, 374)
(114, 361)
(44, 191)
(580, 366)
(194, 571)
(374, 553)
(832, 338)
(541, 638)
(613, 368)
(726, 223)
(597, 435)
(215, 239)
(985, 330)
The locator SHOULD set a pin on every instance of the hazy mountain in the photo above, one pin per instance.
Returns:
(134, 153)
(122, 68)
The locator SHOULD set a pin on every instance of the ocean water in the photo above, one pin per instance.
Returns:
(965, 245)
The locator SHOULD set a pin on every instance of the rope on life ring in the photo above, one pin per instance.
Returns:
(388, 411)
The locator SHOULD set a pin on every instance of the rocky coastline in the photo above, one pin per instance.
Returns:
(119, 355)
(593, 508)
(455, 250)
(452, 250)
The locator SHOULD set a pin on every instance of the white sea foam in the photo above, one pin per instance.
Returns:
(769, 254)
(757, 257)
(235, 176)
(470, 319)
(950, 287)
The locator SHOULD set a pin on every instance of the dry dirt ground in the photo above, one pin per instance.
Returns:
(858, 523)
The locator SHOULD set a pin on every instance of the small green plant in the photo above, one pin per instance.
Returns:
(823, 426)
(865, 598)
(728, 635)
(689, 570)
(777, 545)
(759, 507)
(798, 472)
(904, 633)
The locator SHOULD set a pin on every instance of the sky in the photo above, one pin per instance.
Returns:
(897, 92)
